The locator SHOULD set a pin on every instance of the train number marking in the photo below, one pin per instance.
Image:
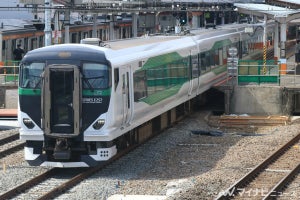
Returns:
(92, 100)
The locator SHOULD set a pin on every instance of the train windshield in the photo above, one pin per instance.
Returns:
(31, 75)
(95, 76)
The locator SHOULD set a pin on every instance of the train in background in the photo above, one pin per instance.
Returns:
(32, 36)
(80, 105)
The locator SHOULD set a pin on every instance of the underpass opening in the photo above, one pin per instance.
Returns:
(296, 105)
(214, 100)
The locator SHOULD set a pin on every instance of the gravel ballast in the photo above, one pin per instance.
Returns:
(176, 164)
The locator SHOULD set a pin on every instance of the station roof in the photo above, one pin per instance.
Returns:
(15, 24)
(280, 14)
(285, 3)
(291, 1)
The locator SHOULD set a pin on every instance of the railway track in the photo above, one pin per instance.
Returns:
(8, 139)
(10, 144)
(268, 179)
(39, 186)
(56, 181)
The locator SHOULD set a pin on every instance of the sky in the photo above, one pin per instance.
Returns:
(6, 14)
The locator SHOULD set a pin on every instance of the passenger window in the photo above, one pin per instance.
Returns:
(195, 66)
(140, 85)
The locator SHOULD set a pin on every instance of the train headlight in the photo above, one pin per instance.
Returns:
(98, 124)
(28, 123)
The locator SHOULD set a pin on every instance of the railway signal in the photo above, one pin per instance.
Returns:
(232, 62)
(182, 18)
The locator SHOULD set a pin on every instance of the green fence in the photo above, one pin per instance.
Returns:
(10, 63)
(256, 71)
(9, 73)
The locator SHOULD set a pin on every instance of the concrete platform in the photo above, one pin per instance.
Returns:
(8, 113)
(136, 197)
(8, 97)
(8, 124)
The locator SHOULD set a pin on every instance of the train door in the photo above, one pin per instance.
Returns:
(126, 94)
(61, 100)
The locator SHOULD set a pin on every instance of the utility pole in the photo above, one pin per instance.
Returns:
(67, 26)
(47, 29)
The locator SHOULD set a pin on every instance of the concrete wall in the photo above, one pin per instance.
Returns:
(258, 100)
(2, 97)
(8, 97)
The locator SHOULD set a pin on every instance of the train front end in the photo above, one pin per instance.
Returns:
(64, 90)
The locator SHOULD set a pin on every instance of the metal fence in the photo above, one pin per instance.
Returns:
(9, 73)
(258, 72)
(292, 76)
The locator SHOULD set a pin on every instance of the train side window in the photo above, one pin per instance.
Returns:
(140, 85)
(195, 66)
(209, 58)
(212, 56)
(203, 62)
(224, 54)
(31, 75)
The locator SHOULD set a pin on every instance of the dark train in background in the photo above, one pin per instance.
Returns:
(31, 38)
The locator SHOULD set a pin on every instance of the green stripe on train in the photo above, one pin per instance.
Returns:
(161, 60)
(221, 44)
(174, 56)
(167, 81)
(159, 96)
(219, 69)
(107, 92)
(26, 91)
(164, 94)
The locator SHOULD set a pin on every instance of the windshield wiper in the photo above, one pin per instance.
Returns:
(95, 78)
(39, 81)
(88, 83)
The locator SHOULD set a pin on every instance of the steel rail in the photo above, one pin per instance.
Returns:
(27, 185)
(64, 186)
(80, 177)
(278, 189)
(11, 150)
(72, 181)
(244, 181)
(9, 139)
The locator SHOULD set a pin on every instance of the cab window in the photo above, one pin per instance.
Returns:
(31, 75)
(95, 76)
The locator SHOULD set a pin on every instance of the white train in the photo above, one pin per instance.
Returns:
(81, 104)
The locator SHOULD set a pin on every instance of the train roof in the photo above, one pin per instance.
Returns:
(152, 39)
(140, 48)
(124, 51)
(145, 40)
(67, 51)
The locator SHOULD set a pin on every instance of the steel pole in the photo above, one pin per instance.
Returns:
(47, 29)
